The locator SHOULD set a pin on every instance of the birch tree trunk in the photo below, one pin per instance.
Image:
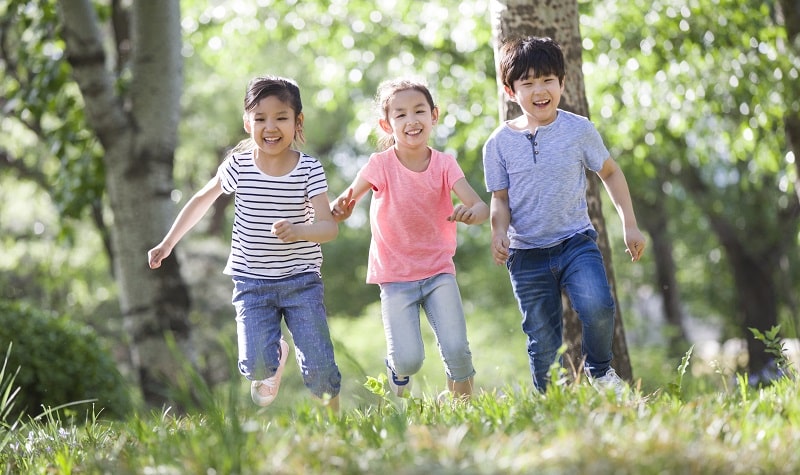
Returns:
(138, 130)
(558, 19)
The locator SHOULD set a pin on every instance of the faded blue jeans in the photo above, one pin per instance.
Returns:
(260, 304)
(537, 278)
(400, 310)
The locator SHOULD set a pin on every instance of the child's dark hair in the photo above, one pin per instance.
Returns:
(386, 91)
(518, 56)
(286, 90)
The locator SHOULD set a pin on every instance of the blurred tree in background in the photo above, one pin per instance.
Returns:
(698, 103)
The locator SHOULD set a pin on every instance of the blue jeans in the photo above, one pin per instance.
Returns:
(260, 304)
(400, 310)
(537, 278)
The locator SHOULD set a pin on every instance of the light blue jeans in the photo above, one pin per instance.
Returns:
(260, 304)
(400, 310)
(537, 278)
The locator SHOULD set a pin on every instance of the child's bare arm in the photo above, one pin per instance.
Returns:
(323, 229)
(342, 206)
(472, 209)
(192, 212)
(501, 219)
(617, 187)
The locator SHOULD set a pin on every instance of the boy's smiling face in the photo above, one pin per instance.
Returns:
(537, 96)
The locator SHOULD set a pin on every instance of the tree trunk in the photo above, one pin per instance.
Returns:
(754, 268)
(653, 217)
(559, 20)
(790, 10)
(138, 132)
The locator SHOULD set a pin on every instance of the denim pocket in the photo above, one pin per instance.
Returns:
(510, 260)
(590, 233)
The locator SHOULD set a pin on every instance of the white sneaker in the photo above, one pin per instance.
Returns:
(399, 385)
(264, 391)
(608, 381)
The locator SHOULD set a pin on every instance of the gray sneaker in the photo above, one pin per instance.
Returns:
(608, 381)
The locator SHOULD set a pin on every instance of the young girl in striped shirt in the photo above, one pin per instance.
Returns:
(282, 215)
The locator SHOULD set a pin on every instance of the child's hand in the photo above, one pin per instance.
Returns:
(635, 241)
(343, 207)
(462, 214)
(157, 254)
(285, 230)
(500, 244)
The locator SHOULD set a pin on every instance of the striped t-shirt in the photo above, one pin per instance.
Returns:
(260, 201)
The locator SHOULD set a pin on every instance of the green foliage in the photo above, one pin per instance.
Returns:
(48, 140)
(675, 388)
(40, 269)
(339, 54)
(60, 362)
(8, 391)
(774, 346)
(691, 99)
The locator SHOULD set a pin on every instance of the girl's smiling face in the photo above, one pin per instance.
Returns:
(538, 97)
(273, 125)
(409, 118)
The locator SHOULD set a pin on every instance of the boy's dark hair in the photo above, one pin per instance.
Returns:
(519, 56)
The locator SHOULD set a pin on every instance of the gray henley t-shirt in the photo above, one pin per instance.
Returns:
(545, 175)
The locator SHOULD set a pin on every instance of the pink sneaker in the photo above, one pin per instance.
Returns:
(264, 391)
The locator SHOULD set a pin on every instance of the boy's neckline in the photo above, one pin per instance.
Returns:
(514, 125)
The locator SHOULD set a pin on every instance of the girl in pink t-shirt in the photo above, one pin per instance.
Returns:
(413, 224)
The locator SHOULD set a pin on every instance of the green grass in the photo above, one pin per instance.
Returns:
(677, 423)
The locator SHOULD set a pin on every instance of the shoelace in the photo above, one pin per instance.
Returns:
(269, 382)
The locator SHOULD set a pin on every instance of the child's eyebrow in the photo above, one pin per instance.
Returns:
(416, 106)
(280, 112)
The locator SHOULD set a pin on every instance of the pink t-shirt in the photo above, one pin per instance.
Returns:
(411, 236)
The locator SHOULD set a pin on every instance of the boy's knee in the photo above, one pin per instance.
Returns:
(600, 313)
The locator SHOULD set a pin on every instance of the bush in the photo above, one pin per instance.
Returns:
(60, 361)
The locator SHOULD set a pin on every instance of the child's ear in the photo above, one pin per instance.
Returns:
(246, 123)
(435, 115)
(509, 93)
(386, 126)
(299, 136)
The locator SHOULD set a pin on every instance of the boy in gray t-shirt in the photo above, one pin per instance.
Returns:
(535, 168)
